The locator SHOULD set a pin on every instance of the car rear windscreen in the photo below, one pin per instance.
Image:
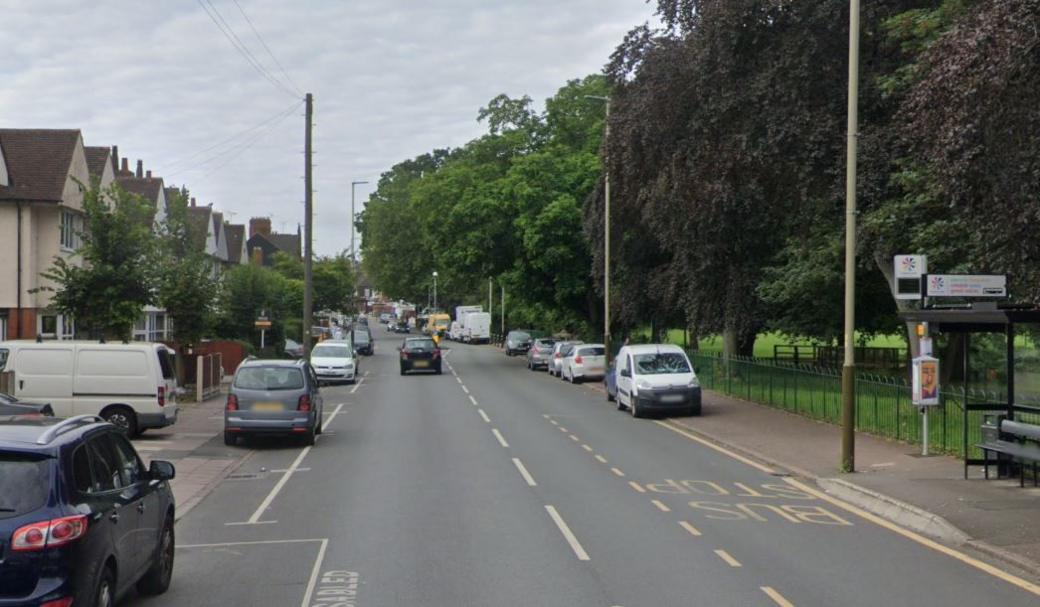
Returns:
(24, 484)
(361, 337)
(269, 378)
(595, 351)
(331, 352)
(420, 344)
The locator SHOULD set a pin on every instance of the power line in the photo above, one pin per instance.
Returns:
(186, 160)
(236, 150)
(243, 50)
(268, 49)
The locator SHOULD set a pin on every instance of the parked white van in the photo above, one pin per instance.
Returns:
(657, 378)
(131, 385)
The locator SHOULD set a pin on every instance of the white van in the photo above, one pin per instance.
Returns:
(131, 385)
(656, 378)
(478, 328)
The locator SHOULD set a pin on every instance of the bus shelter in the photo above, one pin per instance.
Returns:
(990, 357)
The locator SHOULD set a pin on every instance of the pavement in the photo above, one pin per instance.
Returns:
(491, 485)
(195, 445)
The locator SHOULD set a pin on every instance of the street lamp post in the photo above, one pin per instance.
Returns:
(848, 369)
(434, 289)
(606, 227)
(353, 217)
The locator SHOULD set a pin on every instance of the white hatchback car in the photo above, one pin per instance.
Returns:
(560, 349)
(585, 361)
(656, 378)
(335, 361)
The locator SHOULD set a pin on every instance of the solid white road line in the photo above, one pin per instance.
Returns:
(248, 523)
(278, 487)
(314, 574)
(524, 473)
(328, 421)
(357, 385)
(484, 415)
(498, 435)
(249, 543)
(567, 534)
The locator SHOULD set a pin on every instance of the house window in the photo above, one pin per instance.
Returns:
(69, 238)
(3, 329)
(55, 326)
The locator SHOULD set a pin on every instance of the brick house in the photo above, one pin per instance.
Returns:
(263, 243)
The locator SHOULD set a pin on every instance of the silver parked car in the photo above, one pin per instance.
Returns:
(273, 397)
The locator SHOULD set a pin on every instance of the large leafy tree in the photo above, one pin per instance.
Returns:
(186, 285)
(108, 292)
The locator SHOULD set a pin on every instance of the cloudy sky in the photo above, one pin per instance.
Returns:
(391, 79)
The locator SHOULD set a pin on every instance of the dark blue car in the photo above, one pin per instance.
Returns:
(81, 519)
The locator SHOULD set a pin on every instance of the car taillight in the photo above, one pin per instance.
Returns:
(557, 355)
(65, 602)
(49, 534)
(578, 360)
(162, 396)
(305, 403)
(437, 353)
(404, 355)
(232, 403)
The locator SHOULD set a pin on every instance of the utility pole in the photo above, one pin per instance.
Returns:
(503, 329)
(848, 369)
(308, 230)
(489, 298)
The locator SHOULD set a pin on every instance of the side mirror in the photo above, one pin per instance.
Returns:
(161, 470)
(626, 373)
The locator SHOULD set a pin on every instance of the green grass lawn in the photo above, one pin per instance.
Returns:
(765, 342)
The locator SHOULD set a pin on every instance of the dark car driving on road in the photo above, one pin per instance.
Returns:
(420, 354)
(363, 341)
(82, 521)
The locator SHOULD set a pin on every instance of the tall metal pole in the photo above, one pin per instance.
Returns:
(490, 300)
(503, 327)
(308, 230)
(848, 370)
(434, 290)
(606, 238)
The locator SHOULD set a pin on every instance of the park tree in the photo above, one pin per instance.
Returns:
(108, 292)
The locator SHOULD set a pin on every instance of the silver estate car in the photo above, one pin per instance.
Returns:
(273, 397)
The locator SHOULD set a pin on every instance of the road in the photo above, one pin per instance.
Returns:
(491, 485)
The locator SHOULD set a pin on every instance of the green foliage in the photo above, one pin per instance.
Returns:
(249, 291)
(108, 292)
(186, 281)
(333, 283)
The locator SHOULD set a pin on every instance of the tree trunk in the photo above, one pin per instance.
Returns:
(730, 346)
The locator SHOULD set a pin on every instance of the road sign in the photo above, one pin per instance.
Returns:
(262, 323)
(908, 272)
(965, 285)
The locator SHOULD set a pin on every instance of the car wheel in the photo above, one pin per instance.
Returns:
(121, 417)
(308, 437)
(157, 579)
(321, 425)
(610, 397)
(692, 411)
(402, 370)
(620, 405)
(438, 370)
(230, 439)
(633, 408)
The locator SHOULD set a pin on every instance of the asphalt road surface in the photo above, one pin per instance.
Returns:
(491, 485)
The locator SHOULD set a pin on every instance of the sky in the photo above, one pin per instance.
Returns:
(391, 79)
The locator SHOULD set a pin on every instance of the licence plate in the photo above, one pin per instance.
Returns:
(268, 407)
(672, 398)
(421, 364)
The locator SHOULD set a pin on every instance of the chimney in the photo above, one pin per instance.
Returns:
(115, 158)
(125, 168)
(140, 168)
(148, 174)
(259, 225)
(193, 201)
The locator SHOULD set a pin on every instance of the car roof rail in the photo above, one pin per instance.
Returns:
(65, 425)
